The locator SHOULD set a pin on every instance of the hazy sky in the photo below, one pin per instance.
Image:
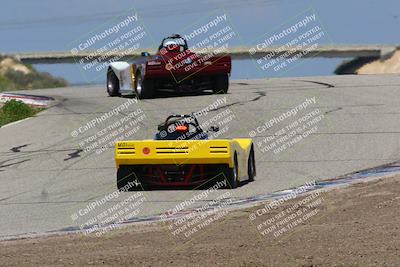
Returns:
(27, 25)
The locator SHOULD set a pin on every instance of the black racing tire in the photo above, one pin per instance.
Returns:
(221, 84)
(126, 180)
(251, 165)
(112, 83)
(231, 175)
(144, 89)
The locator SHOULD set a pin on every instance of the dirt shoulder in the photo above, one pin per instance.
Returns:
(354, 226)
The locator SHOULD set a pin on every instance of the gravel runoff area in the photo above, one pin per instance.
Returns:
(353, 226)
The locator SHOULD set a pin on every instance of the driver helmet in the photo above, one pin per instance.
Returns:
(172, 46)
(182, 127)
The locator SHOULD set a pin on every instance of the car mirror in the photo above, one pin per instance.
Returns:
(145, 54)
(213, 128)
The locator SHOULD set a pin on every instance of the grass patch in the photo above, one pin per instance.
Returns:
(14, 110)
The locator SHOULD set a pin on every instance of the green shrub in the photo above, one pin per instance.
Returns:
(17, 108)
(14, 110)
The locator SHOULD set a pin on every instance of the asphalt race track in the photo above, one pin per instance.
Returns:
(45, 177)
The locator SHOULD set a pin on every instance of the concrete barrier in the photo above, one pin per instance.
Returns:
(327, 51)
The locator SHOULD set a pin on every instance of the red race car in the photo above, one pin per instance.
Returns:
(175, 68)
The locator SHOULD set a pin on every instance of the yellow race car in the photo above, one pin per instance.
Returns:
(181, 154)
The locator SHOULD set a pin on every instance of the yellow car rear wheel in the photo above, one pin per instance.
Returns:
(251, 165)
(231, 174)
